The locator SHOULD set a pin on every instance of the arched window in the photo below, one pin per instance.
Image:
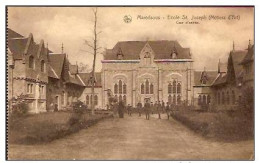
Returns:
(199, 100)
(124, 88)
(142, 88)
(42, 66)
(233, 97)
(174, 86)
(204, 99)
(223, 98)
(120, 87)
(115, 88)
(178, 99)
(151, 88)
(208, 100)
(179, 88)
(170, 99)
(124, 99)
(169, 88)
(31, 62)
(87, 100)
(228, 98)
(120, 97)
(146, 87)
(95, 100)
(174, 100)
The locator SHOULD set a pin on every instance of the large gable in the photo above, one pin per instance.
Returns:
(56, 62)
(162, 49)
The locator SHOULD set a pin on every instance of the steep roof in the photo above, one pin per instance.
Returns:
(211, 76)
(17, 47)
(162, 50)
(86, 76)
(221, 79)
(237, 57)
(56, 62)
(249, 56)
(12, 34)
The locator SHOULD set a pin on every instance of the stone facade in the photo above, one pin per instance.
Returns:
(148, 78)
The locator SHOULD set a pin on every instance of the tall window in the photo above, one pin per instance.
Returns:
(233, 97)
(31, 62)
(151, 88)
(95, 100)
(115, 88)
(142, 88)
(174, 87)
(199, 100)
(120, 86)
(42, 66)
(87, 100)
(179, 88)
(124, 89)
(228, 98)
(124, 99)
(29, 88)
(63, 98)
(169, 88)
(204, 100)
(146, 87)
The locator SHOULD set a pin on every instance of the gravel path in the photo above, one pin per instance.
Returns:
(134, 138)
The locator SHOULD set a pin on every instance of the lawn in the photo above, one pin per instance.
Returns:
(218, 125)
(45, 127)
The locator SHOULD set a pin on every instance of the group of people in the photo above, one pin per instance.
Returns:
(148, 108)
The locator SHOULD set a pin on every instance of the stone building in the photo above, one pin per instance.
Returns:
(227, 86)
(248, 64)
(27, 71)
(136, 71)
(202, 91)
(65, 85)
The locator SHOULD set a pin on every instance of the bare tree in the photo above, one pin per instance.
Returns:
(95, 49)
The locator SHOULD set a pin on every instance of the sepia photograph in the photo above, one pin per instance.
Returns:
(130, 83)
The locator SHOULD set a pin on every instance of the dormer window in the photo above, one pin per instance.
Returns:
(120, 55)
(173, 54)
(147, 58)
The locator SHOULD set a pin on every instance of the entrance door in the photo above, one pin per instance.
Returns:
(57, 102)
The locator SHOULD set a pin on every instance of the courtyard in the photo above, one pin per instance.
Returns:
(134, 138)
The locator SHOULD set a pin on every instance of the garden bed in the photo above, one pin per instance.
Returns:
(45, 127)
(220, 125)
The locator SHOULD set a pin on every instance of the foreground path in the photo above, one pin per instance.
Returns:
(134, 138)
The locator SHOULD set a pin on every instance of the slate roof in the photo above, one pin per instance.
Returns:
(249, 56)
(86, 76)
(17, 47)
(12, 34)
(162, 50)
(236, 56)
(56, 62)
(211, 76)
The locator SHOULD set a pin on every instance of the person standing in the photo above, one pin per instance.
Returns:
(129, 110)
(147, 110)
(139, 108)
(167, 109)
(159, 110)
(163, 106)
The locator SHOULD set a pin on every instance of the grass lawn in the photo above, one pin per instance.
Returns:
(220, 125)
(45, 127)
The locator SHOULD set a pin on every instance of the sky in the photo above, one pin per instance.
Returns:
(209, 39)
